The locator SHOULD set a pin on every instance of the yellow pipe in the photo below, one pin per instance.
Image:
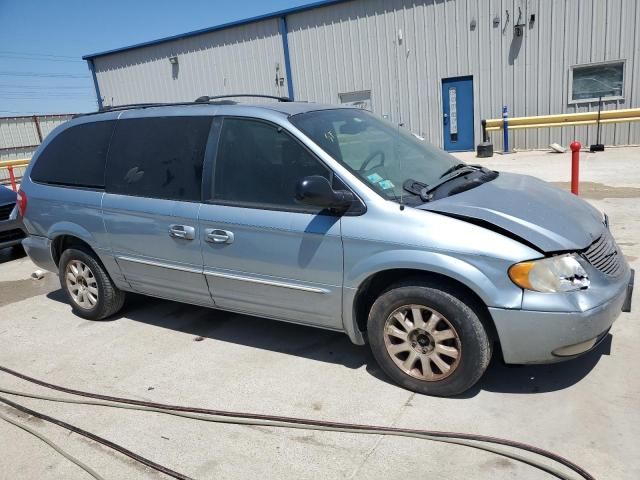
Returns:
(23, 162)
(565, 124)
(623, 114)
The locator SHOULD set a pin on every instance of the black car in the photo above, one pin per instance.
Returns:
(11, 232)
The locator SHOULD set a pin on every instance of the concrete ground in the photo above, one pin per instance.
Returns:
(585, 409)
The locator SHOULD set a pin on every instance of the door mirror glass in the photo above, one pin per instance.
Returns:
(316, 190)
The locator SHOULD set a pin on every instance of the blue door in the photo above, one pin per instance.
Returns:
(457, 113)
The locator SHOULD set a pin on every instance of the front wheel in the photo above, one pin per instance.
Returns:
(89, 289)
(428, 340)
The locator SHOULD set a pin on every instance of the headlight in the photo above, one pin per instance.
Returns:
(555, 274)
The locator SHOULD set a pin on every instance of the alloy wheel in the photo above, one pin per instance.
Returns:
(81, 284)
(422, 342)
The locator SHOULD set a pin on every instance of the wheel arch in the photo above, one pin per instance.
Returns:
(65, 234)
(63, 242)
(376, 283)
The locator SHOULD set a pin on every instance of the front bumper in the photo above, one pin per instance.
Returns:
(528, 336)
(11, 232)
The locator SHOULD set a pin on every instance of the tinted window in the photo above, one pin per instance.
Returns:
(76, 156)
(158, 157)
(259, 164)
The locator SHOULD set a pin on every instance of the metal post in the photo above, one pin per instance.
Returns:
(12, 178)
(505, 128)
(575, 166)
(598, 147)
(485, 135)
(38, 130)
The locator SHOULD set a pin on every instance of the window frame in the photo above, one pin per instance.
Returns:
(205, 158)
(578, 66)
(208, 176)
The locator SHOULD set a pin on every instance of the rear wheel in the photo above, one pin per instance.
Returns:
(428, 340)
(90, 291)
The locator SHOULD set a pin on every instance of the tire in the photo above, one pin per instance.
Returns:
(446, 326)
(94, 283)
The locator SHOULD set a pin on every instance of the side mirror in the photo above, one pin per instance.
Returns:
(316, 190)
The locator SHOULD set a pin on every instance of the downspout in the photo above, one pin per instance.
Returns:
(287, 59)
(95, 82)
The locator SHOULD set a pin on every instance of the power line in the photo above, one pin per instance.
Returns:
(45, 87)
(9, 52)
(23, 57)
(43, 75)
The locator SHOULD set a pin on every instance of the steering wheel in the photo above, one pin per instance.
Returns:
(365, 164)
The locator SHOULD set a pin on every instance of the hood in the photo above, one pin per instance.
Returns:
(7, 195)
(542, 215)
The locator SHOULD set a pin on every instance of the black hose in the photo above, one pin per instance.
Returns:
(301, 421)
(96, 438)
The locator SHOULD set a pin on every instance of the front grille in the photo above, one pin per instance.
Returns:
(605, 255)
(5, 210)
(11, 235)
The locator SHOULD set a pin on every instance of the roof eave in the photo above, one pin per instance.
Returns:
(267, 16)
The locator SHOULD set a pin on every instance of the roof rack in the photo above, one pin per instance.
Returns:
(128, 106)
(207, 99)
(199, 101)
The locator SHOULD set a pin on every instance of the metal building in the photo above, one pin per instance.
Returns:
(436, 66)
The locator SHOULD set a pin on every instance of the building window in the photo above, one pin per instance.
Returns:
(359, 99)
(590, 82)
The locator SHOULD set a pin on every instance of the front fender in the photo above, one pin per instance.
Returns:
(493, 291)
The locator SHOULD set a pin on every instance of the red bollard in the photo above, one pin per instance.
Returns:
(575, 166)
(12, 178)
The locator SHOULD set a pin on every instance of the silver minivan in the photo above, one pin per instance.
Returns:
(329, 217)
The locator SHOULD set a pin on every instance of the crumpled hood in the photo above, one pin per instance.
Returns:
(543, 215)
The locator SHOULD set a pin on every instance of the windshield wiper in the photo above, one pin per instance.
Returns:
(457, 166)
(417, 188)
(453, 174)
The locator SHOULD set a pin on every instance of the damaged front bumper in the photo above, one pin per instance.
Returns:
(528, 336)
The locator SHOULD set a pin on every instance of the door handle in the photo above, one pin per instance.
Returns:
(445, 117)
(215, 235)
(182, 231)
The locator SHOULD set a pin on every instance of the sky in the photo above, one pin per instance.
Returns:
(42, 42)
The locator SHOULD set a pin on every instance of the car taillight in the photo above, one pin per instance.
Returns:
(21, 202)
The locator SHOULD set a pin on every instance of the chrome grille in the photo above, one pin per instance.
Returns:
(605, 255)
(5, 210)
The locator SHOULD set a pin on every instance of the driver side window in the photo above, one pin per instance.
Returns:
(259, 164)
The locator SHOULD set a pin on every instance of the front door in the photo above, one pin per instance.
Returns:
(457, 113)
(150, 209)
(263, 253)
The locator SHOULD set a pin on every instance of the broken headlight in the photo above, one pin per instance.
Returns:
(555, 274)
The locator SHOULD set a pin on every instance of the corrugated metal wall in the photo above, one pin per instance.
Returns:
(359, 49)
(353, 46)
(239, 59)
(19, 137)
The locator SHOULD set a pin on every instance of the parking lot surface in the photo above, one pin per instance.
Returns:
(585, 409)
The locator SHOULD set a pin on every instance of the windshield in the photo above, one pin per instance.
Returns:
(384, 156)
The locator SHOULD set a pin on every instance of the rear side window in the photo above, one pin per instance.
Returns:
(158, 157)
(75, 157)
